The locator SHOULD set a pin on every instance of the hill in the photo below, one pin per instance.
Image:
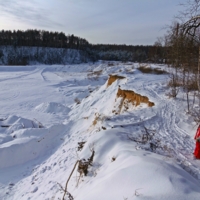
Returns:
(110, 122)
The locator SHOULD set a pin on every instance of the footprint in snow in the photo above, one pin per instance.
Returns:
(34, 190)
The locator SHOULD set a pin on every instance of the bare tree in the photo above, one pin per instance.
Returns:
(183, 51)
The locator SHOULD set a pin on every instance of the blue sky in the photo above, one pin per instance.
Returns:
(99, 21)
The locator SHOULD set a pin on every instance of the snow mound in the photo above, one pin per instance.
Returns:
(9, 128)
(29, 144)
(117, 165)
(13, 123)
(52, 107)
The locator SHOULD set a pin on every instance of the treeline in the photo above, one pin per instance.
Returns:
(41, 38)
(47, 39)
(138, 53)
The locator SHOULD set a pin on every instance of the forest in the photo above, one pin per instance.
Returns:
(17, 41)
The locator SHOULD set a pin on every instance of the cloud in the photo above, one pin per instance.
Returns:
(27, 11)
(99, 21)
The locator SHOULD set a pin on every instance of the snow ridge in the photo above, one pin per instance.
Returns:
(62, 113)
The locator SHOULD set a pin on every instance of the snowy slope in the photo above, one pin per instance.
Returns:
(46, 111)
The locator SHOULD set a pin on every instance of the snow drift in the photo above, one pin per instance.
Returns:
(142, 152)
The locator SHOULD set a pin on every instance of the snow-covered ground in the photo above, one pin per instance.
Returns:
(47, 112)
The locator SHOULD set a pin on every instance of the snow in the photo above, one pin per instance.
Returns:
(47, 110)
(23, 55)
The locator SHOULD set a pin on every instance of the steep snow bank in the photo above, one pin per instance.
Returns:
(142, 152)
(120, 171)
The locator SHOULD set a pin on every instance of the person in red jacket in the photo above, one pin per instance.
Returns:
(197, 148)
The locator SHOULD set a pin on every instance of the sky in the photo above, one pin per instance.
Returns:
(131, 22)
